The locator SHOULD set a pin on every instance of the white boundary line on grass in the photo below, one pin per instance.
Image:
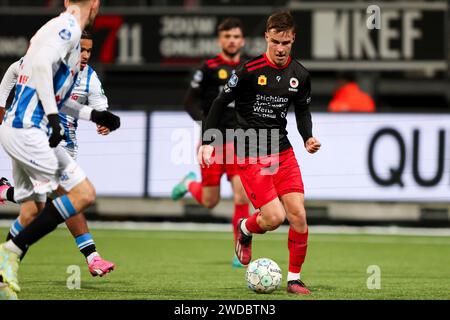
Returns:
(216, 227)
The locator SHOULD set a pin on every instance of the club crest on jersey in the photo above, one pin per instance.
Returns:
(293, 82)
(72, 22)
(262, 80)
(233, 81)
(65, 34)
(78, 81)
(223, 74)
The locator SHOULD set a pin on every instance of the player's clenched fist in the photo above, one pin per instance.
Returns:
(204, 155)
(104, 131)
(312, 145)
(106, 119)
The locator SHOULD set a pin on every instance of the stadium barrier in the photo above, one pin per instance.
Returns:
(382, 167)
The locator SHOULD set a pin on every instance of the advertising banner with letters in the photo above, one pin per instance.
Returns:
(341, 35)
(115, 164)
(375, 157)
(364, 157)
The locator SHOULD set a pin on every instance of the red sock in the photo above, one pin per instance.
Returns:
(297, 244)
(196, 189)
(252, 225)
(240, 212)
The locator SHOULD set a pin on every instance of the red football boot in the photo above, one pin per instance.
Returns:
(243, 245)
(297, 287)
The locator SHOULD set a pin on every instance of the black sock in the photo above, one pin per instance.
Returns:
(87, 251)
(9, 236)
(10, 195)
(43, 224)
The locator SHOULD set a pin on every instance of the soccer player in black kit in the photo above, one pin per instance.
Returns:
(263, 89)
(206, 85)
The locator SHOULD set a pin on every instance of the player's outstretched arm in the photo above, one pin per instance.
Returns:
(43, 78)
(209, 128)
(105, 119)
(303, 116)
(192, 104)
(101, 118)
(193, 98)
(98, 100)
(8, 82)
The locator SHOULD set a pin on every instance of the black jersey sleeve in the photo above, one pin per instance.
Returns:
(302, 113)
(225, 97)
(193, 97)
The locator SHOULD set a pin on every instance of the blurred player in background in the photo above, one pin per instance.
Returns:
(206, 84)
(263, 89)
(32, 131)
(87, 91)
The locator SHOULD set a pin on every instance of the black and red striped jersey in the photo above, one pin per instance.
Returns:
(263, 92)
(209, 81)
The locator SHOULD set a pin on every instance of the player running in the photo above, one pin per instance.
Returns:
(206, 84)
(32, 131)
(263, 90)
(87, 91)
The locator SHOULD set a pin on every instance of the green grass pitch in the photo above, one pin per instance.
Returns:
(197, 265)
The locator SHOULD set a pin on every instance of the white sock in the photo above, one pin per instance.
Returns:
(11, 246)
(293, 276)
(244, 228)
(91, 257)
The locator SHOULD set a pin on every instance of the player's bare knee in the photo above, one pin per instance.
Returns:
(297, 217)
(274, 221)
(84, 194)
(240, 199)
(28, 212)
(210, 202)
(89, 196)
(27, 217)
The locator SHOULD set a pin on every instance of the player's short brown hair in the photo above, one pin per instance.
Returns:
(281, 21)
(86, 35)
(230, 23)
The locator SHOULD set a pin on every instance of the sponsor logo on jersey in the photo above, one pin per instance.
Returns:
(262, 80)
(223, 74)
(78, 81)
(65, 34)
(233, 81)
(72, 22)
(198, 76)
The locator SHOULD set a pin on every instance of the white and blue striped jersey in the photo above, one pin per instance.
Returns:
(88, 91)
(59, 37)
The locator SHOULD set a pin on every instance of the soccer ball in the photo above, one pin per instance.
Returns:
(263, 276)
